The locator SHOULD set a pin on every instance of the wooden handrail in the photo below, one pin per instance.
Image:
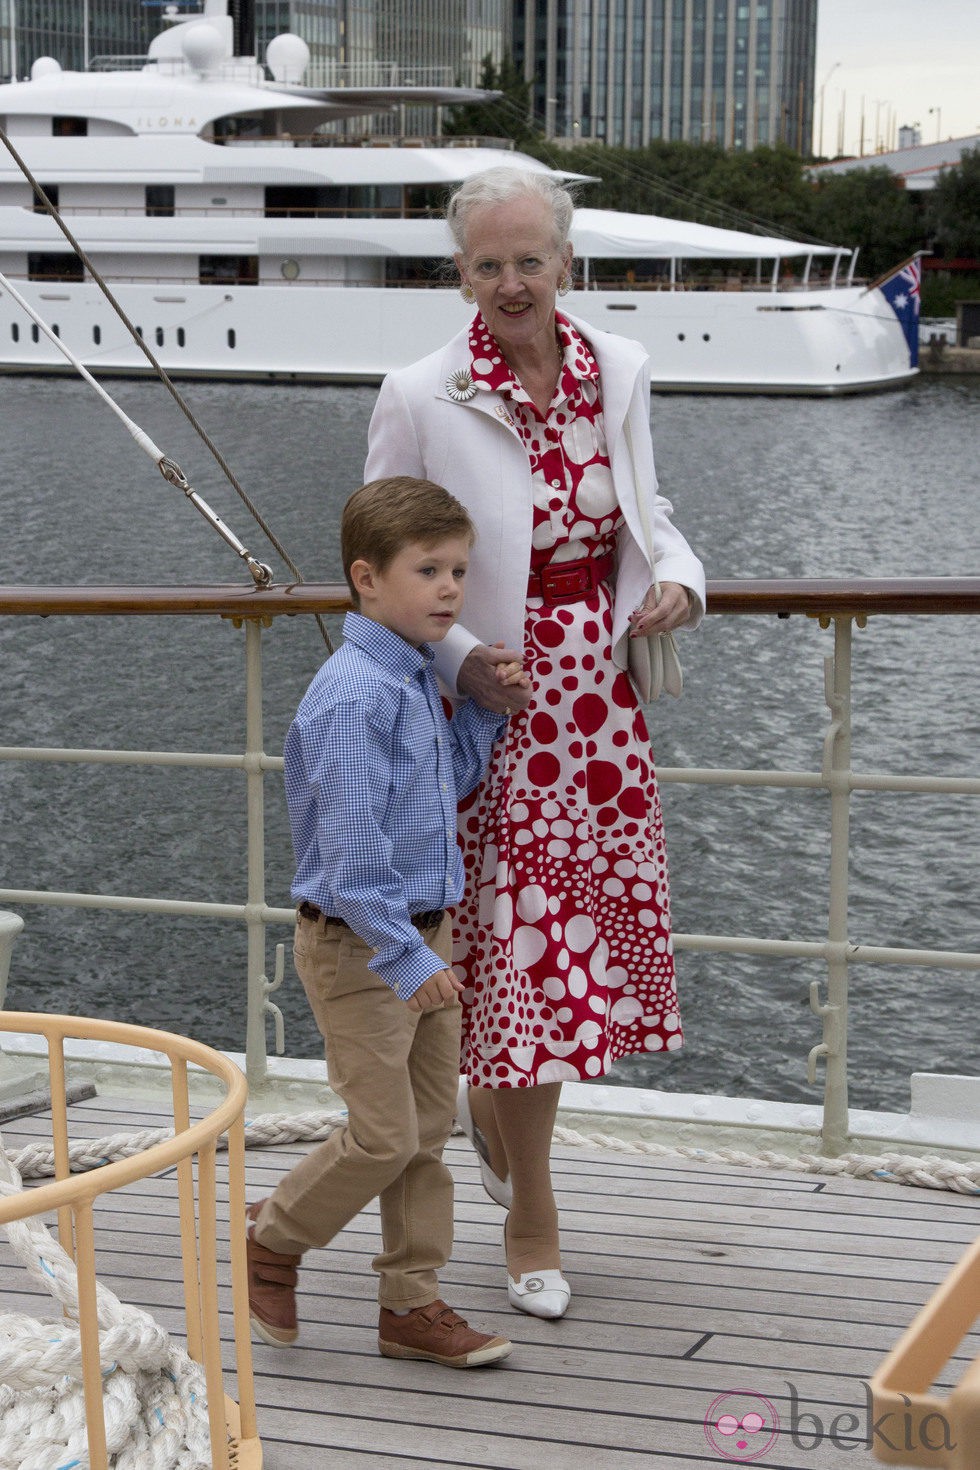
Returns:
(817, 596)
(823, 596)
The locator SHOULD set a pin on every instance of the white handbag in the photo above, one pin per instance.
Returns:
(665, 664)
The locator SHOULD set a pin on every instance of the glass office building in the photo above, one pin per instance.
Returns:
(75, 34)
(734, 72)
(362, 42)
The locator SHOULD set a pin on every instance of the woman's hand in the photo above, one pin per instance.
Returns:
(479, 678)
(672, 610)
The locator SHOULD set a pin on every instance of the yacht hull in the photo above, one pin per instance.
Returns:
(820, 342)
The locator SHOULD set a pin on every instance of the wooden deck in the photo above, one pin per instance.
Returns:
(689, 1282)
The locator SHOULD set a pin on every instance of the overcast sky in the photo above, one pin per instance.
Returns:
(903, 57)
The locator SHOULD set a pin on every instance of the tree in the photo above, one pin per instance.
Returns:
(953, 210)
(509, 116)
(867, 208)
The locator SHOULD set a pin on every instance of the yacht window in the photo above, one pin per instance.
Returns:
(407, 270)
(96, 335)
(181, 337)
(159, 336)
(228, 129)
(54, 265)
(160, 199)
(35, 334)
(347, 201)
(302, 201)
(52, 192)
(229, 270)
(69, 127)
(15, 331)
(231, 336)
(425, 201)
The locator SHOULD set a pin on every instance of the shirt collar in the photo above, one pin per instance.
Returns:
(390, 649)
(490, 369)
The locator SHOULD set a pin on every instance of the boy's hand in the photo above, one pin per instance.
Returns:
(512, 674)
(441, 989)
(477, 679)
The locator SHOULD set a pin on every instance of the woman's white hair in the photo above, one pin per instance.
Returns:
(500, 185)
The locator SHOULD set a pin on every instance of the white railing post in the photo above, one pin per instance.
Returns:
(10, 927)
(255, 1046)
(837, 779)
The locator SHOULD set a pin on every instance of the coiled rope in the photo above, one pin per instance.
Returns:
(154, 1396)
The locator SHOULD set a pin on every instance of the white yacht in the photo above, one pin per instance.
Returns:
(243, 241)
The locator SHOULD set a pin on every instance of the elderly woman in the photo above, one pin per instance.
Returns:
(540, 425)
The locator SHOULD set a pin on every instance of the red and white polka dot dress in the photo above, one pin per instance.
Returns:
(563, 934)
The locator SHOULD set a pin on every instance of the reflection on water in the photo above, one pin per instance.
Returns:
(875, 486)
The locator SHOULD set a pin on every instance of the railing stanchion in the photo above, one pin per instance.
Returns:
(837, 774)
(255, 1052)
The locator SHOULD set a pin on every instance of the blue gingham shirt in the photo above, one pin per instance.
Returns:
(374, 771)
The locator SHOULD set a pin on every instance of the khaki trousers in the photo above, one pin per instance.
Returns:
(397, 1071)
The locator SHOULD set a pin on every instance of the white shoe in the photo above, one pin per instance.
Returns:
(540, 1293)
(498, 1189)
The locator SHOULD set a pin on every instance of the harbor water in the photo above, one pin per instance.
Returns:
(862, 487)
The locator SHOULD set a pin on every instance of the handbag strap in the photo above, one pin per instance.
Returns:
(641, 506)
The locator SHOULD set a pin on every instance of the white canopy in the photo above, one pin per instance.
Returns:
(610, 234)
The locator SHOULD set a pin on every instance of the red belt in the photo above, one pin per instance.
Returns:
(570, 581)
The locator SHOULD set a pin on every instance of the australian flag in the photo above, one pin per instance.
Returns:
(902, 290)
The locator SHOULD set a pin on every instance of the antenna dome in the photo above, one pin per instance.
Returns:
(203, 45)
(287, 57)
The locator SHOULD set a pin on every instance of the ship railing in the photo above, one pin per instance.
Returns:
(390, 280)
(840, 605)
(323, 72)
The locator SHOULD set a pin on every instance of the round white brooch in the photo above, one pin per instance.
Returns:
(460, 386)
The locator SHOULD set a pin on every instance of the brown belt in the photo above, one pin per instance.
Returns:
(570, 581)
(424, 922)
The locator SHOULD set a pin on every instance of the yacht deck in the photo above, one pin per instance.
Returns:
(690, 1281)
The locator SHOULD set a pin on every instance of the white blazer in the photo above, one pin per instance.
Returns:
(475, 451)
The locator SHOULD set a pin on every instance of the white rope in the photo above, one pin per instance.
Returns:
(36, 1161)
(271, 1129)
(925, 1172)
(153, 1393)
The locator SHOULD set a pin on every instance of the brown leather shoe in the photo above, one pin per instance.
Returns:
(439, 1335)
(271, 1287)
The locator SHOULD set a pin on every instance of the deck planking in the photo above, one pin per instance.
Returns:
(690, 1280)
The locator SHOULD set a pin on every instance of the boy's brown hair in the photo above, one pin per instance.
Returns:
(384, 516)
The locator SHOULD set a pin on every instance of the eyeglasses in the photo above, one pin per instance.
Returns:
(527, 265)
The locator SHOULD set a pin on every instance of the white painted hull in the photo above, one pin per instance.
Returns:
(817, 342)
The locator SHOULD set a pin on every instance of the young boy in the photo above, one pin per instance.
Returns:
(373, 774)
